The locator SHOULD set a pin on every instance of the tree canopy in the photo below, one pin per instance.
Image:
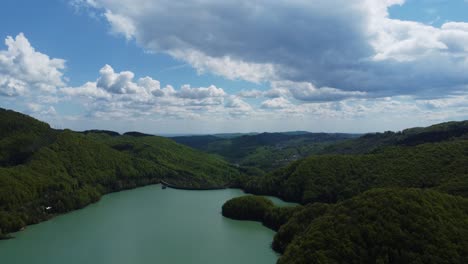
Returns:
(64, 170)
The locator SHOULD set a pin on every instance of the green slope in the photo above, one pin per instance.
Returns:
(408, 137)
(65, 170)
(258, 208)
(380, 226)
(21, 136)
(400, 198)
(186, 167)
(386, 225)
(331, 178)
(265, 151)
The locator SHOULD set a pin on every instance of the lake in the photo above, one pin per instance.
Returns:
(142, 226)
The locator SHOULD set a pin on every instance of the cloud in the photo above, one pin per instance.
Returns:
(214, 107)
(277, 91)
(152, 86)
(88, 89)
(352, 46)
(273, 92)
(307, 92)
(118, 94)
(200, 93)
(121, 24)
(226, 66)
(84, 3)
(276, 103)
(22, 69)
(41, 109)
(330, 67)
(455, 37)
(11, 87)
(121, 85)
(250, 93)
(34, 107)
(237, 107)
(302, 91)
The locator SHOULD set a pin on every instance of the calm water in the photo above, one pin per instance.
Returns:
(145, 225)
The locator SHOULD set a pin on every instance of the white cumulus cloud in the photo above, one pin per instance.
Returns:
(22, 68)
(276, 103)
(200, 93)
(352, 46)
(305, 91)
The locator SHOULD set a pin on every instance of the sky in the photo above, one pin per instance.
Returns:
(208, 66)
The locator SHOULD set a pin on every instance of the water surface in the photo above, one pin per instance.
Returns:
(142, 226)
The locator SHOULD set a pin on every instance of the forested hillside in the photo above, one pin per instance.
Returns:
(381, 198)
(45, 171)
(409, 137)
(379, 226)
(389, 225)
(331, 178)
(393, 197)
(265, 151)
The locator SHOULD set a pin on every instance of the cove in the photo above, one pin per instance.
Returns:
(145, 225)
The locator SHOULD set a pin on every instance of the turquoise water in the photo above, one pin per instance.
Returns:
(142, 226)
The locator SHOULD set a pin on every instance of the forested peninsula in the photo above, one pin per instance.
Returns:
(381, 198)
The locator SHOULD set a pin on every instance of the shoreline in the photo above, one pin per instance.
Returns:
(8, 236)
(164, 183)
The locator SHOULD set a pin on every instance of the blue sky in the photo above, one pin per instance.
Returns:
(207, 67)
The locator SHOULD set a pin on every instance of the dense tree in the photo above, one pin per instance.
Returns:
(383, 226)
(382, 198)
(258, 208)
(408, 137)
(265, 151)
(247, 208)
(332, 178)
(389, 225)
(45, 171)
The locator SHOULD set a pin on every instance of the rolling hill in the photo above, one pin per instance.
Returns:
(265, 151)
(380, 198)
(44, 171)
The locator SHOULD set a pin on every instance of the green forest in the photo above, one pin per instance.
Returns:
(264, 152)
(258, 208)
(44, 172)
(392, 197)
(441, 166)
(381, 198)
(379, 226)
(383, 225)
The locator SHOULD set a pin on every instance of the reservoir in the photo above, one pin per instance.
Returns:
(143, 226)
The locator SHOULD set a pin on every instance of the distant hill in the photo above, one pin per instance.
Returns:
(434, 157)
(137, 134)
(41, 167)
(330, 178)
(108, 132)
(233, 135)
(408, 137)
(295, 133)
(266, 151)
(269, 151)
(198, 142)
